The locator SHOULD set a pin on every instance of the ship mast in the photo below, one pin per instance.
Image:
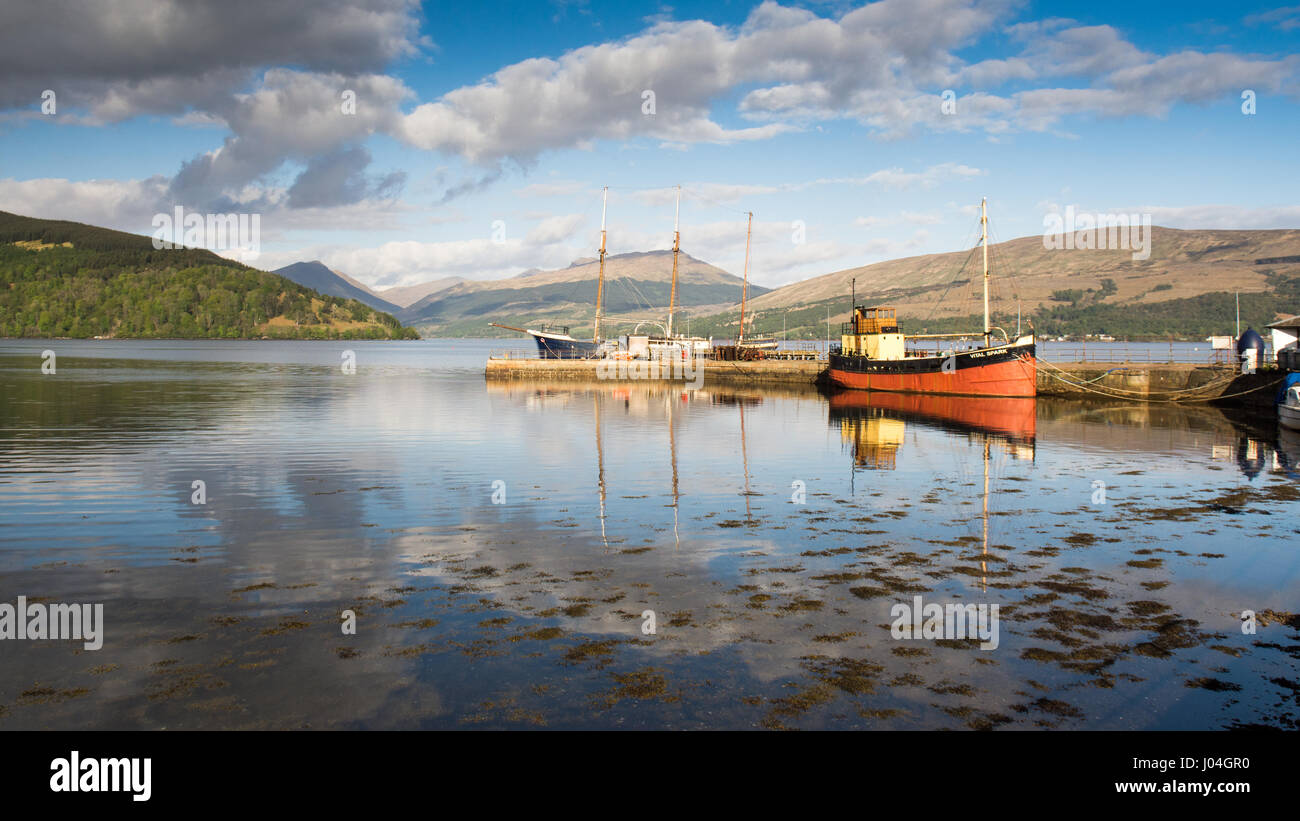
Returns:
(600, 283)
(985, 518)
(744, 289)
(984, 241)
(677, 244)
(600, 472)
(672, 451)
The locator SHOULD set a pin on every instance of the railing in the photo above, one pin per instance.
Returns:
(512, 353)
(1111, 353)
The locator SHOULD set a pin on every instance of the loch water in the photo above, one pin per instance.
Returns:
(602, 555)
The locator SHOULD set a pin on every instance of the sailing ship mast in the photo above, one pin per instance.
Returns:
(744, 456)
(744, 289)
(600, 283)
(984, 241)
(600, 471)
(672, 451)
(677, 244)
(985, 519)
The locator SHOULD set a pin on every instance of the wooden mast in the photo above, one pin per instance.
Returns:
(677, 244)
(600, 471)
(744, 289)
(672, 451)
(744, 455)
(984, 241)
(985, 518)
(600, 283)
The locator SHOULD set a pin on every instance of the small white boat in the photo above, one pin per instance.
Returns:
(1288, 412)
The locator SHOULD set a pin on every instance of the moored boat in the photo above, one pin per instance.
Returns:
(558, 343)
(874, 355)
(672, 345)
(1288, 411)
(555, 343)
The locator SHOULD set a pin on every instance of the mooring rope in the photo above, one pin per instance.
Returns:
(1135, 394)
(1197, 389)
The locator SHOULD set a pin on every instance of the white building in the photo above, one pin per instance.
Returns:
(1285, 332)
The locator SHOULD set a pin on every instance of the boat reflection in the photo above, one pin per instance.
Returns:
(1287, 455)
(875, 422)
(643, 402)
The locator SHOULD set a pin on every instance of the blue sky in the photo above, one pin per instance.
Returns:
(483, 133)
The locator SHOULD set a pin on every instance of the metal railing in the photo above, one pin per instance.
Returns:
(512, 353)
(1111, 353)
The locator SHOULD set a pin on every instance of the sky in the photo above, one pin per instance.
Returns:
(480, 135)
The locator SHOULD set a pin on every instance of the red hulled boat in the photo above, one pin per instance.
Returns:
(874, 355)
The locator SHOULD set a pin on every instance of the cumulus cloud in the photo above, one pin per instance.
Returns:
(555, 229)
(271, 74)
(219, 63)
(339, 178)
(296, 116)
(126, 205)
(895, 179)
(121, 58)
(410, 262)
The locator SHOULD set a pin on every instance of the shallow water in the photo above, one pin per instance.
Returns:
(374, 492)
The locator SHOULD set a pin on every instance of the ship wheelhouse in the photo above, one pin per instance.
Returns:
(873, 333)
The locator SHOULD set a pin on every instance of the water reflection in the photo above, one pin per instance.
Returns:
(875, 423)
(375, 493)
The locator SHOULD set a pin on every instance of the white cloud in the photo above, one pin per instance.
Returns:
(121, 58)
(126, 205)
(1226, 217)
(555, 229)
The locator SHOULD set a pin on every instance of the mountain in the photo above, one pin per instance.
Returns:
(636, 288)
(321, 279)
(67, 279)
(1188, 284)
(407, 295)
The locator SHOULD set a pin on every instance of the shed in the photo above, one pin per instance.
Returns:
(1285, 332)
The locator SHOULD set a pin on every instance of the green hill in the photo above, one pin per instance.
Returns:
(67, 279)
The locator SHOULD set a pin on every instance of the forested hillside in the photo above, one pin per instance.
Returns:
(65, 279)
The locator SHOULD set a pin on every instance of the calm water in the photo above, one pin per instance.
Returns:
(1121, 544)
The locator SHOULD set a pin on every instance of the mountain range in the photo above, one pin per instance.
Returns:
(1188, 285)
(1183, 286)
(63, 277)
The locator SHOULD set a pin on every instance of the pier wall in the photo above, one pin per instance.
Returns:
(1139, 383)
(732, 374)
(1143, 383)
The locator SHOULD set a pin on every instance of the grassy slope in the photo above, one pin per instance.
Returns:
(1185, 290)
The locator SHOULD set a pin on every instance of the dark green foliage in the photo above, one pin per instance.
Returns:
(114, 283)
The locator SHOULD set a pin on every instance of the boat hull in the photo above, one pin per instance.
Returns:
(1005, 370)
(1011, 417)
(1289, 416)
(559, 346)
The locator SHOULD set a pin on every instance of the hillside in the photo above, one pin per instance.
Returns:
(1187, 285)
(407, 295)
(636, 287)
(67, 279)
(322, 280)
